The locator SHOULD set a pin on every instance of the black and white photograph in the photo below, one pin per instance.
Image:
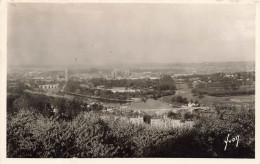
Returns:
(130, 80)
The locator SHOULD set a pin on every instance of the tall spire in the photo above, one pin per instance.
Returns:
(66, 75)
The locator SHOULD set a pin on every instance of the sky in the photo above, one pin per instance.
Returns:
(100, 34)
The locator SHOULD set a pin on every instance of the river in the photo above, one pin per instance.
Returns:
(149, 104)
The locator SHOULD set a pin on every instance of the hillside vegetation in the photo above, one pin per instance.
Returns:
(34, 133)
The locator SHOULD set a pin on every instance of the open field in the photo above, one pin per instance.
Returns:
(184, 91)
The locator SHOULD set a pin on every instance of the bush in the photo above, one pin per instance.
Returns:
(179, 99)
(147, 119)
(188, 116)
(212, 131)
(33, 135)
(173, 115)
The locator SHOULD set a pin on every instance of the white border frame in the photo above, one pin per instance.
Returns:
(3, 79)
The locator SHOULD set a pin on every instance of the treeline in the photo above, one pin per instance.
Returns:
(214, 92)
(67, 109)
(164, 83)
(216, 77)
(33, 135)
(148, 88)
(103, 93)
(179, 99)
(134, 83)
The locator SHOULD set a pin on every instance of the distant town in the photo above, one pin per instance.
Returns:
(139, 96)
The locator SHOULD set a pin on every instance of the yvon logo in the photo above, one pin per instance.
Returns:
(234, 139)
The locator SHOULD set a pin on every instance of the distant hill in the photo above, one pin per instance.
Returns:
(196, 68)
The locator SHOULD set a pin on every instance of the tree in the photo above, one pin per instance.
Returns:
(213, 130)
(31, 134)
(201, 95)
(185, 100)
(78, 91)
(96, 92)
(200, 85)
(188, 116)
(72, 86)
(190, 84)
(179, 99)
(173, 99)
(147, 119)
(166, 83)
(173, 115)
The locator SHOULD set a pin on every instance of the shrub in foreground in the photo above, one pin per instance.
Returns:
(30, 134)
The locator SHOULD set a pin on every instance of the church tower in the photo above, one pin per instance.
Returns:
(66, 75)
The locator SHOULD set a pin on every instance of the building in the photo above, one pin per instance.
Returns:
(123, 89)
(120, 73)
(49, 87)
(114, 73)
(157, 122)
(60, 78)
(139, 120)
(171, 123)
(193, 105)
(126, 73)
(66, 75)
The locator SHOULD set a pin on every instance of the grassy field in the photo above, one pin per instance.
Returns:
(184, 91)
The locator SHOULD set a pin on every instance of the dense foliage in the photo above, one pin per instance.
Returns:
(68, 109)
(149, 88)
(222, 92)
(235, 121)
(179, 99)
(220, 84)
(33, 134)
